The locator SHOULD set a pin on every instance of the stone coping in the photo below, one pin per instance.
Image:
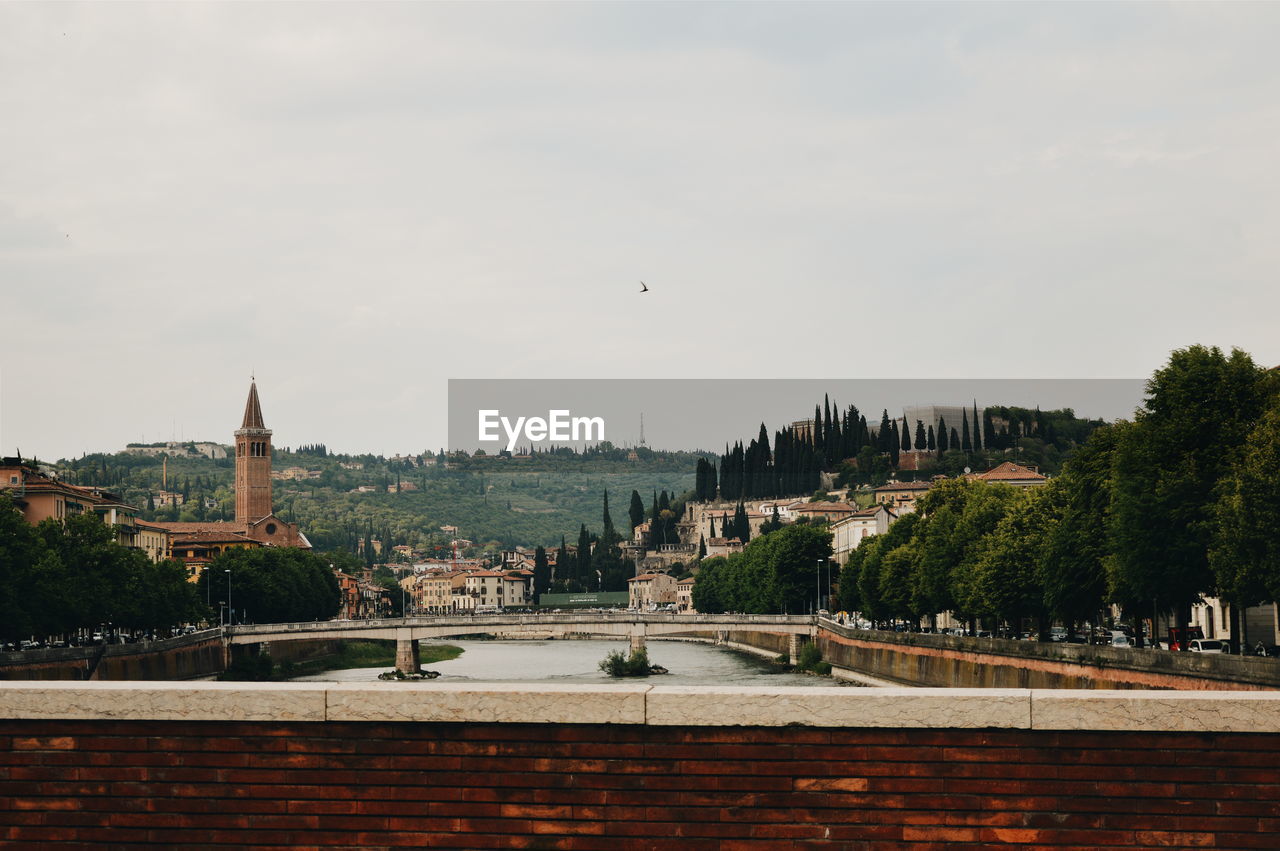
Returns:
(685, 706)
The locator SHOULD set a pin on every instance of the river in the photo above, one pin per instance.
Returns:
(689, 664)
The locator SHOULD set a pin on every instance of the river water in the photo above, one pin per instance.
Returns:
(690, 664)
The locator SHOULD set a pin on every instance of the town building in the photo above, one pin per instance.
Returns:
(1009, 473)
(40, 496)
(829, 511)
(900, 497)
(684, 596)
(848, 532)
(648, 591)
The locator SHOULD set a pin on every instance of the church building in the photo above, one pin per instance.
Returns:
(256, 524)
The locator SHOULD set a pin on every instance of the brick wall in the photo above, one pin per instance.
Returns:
(476, 785)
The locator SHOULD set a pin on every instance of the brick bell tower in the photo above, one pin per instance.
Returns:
(253, 463)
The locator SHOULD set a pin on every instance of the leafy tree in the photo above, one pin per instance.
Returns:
(708, 588)
(1009, 574)
(273, 584)
(1074, 566)
(1245, 555)
(1196, 417)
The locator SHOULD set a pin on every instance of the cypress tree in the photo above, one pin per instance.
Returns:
(562, 561)
(955, 439)
(931, 440)
(965, 443)
(905, 434)
(636, 512)
(977, 428)
(583, 562)
(741, 525)
(884, 437)
(922, 442)
(541, 573)
(607, 520)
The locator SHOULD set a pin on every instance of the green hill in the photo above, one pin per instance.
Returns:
(494, 501)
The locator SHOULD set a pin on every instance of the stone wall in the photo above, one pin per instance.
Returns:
(621, 767)
(182, 658)
(945, 660)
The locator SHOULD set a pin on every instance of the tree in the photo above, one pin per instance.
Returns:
(1245, 555)
(708, 589)
(273, 584)
(541, 573)
(582, 566)
(922, 442)
(1186, 438)
(905, 433)
(1009, 573)
(1074, 566)
(606, 520)
(741, 524)
(636, 512)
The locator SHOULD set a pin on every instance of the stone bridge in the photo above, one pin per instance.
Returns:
(636, 628)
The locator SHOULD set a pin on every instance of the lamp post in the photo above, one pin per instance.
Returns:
(231, 612)
(818, 581)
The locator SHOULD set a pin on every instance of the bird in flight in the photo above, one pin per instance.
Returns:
(643, 287)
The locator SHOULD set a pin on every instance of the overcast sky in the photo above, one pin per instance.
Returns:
(359, 202)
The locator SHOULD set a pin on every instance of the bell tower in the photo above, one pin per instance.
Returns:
(253, 463)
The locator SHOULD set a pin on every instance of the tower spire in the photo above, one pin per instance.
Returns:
(252, 409)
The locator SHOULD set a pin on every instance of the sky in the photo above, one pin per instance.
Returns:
(355, 203)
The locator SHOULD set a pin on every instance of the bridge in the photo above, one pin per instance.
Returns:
(634, 627)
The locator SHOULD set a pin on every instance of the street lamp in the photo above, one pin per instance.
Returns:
(231, 612)
(817, 580)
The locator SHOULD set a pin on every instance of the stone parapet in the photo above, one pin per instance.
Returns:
(642, 704)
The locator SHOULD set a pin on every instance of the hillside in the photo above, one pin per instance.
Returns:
(338, 499)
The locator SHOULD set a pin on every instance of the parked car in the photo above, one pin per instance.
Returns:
(1122, 640)
(1208, 645)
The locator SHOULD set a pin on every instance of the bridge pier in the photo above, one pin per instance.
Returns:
(793, 648)
(637, 637)
(407, 659)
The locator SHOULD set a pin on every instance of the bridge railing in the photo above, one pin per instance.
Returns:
(521, 620)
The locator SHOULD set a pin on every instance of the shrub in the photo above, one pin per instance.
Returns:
(617, 664)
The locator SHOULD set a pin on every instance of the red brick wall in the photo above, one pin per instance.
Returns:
(186, 784)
